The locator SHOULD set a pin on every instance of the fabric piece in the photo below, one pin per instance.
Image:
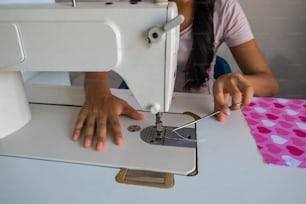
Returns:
(279, 128)
(230, 26)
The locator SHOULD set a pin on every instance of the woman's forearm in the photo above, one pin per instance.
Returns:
(96, 83)
(264, 84)
(255, 68)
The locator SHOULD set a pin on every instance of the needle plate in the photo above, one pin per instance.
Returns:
(186, 137)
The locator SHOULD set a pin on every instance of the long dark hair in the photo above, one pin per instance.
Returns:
(202, 51)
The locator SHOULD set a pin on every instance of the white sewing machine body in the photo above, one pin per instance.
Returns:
(90, 37)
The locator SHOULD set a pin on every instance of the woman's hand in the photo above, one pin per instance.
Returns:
(234, 85)
(257, 79)
(98, 115)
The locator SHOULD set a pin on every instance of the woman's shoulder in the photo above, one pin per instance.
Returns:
(230, 23)
(225, 5)
(225, 11)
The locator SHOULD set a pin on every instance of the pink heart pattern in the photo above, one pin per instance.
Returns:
(279, 130)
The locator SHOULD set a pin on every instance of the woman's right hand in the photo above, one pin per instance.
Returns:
(98, 115)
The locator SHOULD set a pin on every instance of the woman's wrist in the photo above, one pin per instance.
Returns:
(97, 84)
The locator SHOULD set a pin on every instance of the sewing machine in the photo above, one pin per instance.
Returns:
(138, 40)
(231, 170)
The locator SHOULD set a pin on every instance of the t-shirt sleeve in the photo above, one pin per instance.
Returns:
(236, 26)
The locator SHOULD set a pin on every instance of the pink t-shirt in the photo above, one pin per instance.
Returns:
(230, 26)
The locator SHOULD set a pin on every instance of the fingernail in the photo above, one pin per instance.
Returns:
(119, 141)
(87, 143)
(100, 146)
(227, 112)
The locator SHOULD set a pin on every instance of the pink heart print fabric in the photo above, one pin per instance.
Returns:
(279, 129)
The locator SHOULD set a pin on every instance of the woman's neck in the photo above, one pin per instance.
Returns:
(186, 8)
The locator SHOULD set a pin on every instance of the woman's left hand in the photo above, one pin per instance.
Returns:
(234, 85)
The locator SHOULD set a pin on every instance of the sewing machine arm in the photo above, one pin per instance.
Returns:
(138, 41)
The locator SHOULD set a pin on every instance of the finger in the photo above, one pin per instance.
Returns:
(219, 98)
(89, 132)
(115, 128)
(220, 103)
(236, 99)
(101, 131)
(132, 113)
(235, 93)
(225, 111)
(247, 96)
(78, 126)
(221, 117)
(246, 92)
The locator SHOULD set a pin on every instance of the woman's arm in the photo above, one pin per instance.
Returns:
(256, 80)
(96, 83)
(255, 69)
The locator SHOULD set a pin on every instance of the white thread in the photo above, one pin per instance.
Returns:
(185, 138)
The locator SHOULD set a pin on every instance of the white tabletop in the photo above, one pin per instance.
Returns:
(231, 169)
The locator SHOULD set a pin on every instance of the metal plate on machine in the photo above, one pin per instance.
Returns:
(185, 138)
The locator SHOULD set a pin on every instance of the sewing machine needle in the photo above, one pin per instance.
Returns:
(206, 116)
